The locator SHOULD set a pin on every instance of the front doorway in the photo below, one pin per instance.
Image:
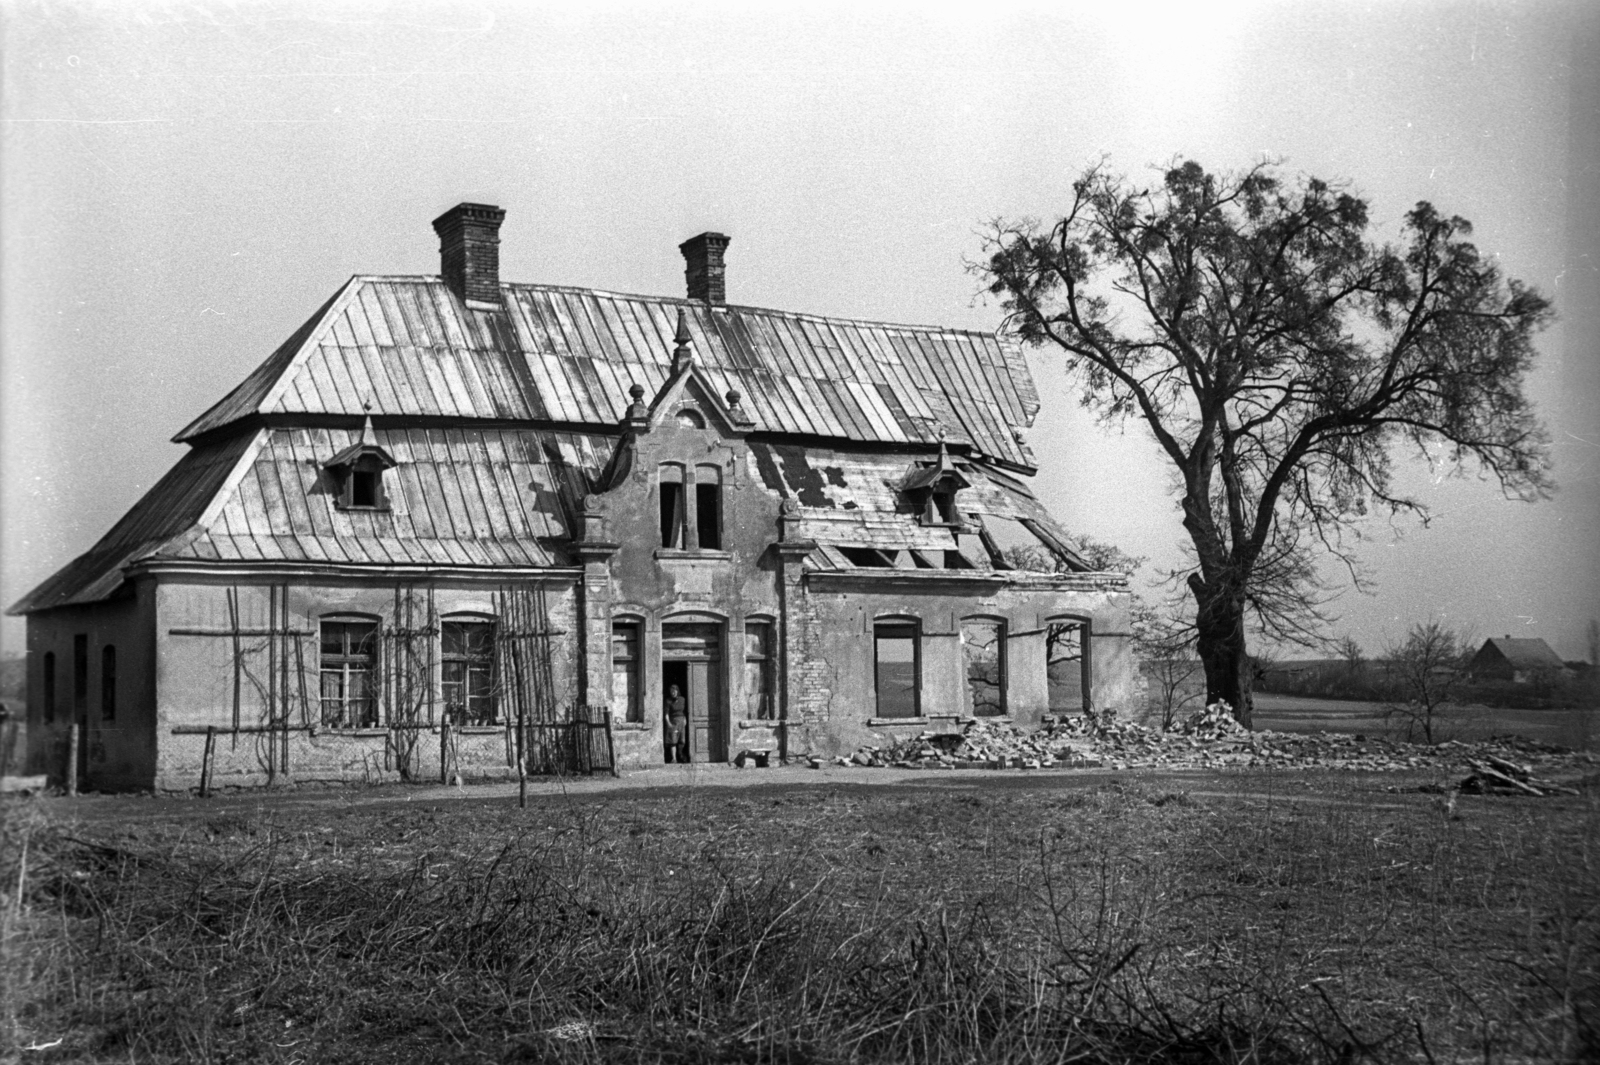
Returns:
(691, 661)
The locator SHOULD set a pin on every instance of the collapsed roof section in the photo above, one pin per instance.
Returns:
(855, 506)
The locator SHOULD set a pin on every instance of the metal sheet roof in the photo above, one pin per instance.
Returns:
(409, 347)
(481, 497)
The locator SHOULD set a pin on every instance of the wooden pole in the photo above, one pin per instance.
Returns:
(205, 763)
(72, 759)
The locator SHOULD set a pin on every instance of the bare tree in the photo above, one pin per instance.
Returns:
(1353, 657)
(1277, 356)
(1425, 671)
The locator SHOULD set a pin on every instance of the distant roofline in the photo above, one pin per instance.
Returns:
(682, 301)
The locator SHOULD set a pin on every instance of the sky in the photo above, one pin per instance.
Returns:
(181, 185)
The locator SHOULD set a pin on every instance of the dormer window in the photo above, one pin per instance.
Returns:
(931, 489)
(357, 473)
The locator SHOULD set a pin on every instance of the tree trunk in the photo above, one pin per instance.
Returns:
(1219, 630)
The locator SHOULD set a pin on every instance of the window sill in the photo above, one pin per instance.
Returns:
(630, 726)
(675, 554)
(876, 721)
(360, 510)
(763, 722)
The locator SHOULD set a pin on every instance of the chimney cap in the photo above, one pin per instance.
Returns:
(707, 239)
(486, 213)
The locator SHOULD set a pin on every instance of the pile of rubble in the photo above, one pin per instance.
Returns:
(1208, 739)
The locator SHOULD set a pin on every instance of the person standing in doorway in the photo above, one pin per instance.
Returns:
(677, 725)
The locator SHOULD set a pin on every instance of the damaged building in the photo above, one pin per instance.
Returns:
(455, 523)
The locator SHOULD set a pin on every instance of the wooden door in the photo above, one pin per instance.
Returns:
(699, 648)
(708, 735)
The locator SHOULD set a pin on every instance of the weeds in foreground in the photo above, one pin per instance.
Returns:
(1111, 926)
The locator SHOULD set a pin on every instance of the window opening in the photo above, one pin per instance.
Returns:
(868, 557)
(80, 675)
(626, 693)
(895, 655)
(467, 672)
(1066, 666)
(956, 560)
(708, 507)
(364, 488)
(691, 419)
(759, 701)
(983, 644)
(672, 507)
(108, 682)
(348, 651)
(49, 686)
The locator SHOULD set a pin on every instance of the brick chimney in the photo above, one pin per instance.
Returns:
(703, 268)
(469, 252)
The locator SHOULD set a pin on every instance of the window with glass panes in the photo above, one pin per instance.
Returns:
(349, 654)
(626, 695)
(467, 671)
(758, 671)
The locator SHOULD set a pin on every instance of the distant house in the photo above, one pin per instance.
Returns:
(1518, 661)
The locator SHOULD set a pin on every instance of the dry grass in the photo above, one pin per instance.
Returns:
(1120, 922)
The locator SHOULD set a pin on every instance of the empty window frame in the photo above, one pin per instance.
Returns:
(466, 660)
(897, 668)
(983, 650)
(49, 708)
(362, 487)
(108, 682)
(80, 676)
(708, 507)
(758, 671)
(673, 506)
(1066, 664)
(627, 696)
(349, 655)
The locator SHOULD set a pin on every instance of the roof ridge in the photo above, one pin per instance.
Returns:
(683, 301)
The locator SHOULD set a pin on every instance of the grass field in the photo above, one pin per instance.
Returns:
(1239, 917)
(1577, 728)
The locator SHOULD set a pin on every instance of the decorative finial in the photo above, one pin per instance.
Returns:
(637, 412)
(733, 398)
(682, 353)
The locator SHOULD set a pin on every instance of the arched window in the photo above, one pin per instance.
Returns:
(1066, 657)
(108, 682)
(627, 664)
(983, 649)
(49, 708)
(672, 505)
(897, 662)
(690, 418)
(349, 660)
(708, 507)
(466, 659)
(80, 676)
